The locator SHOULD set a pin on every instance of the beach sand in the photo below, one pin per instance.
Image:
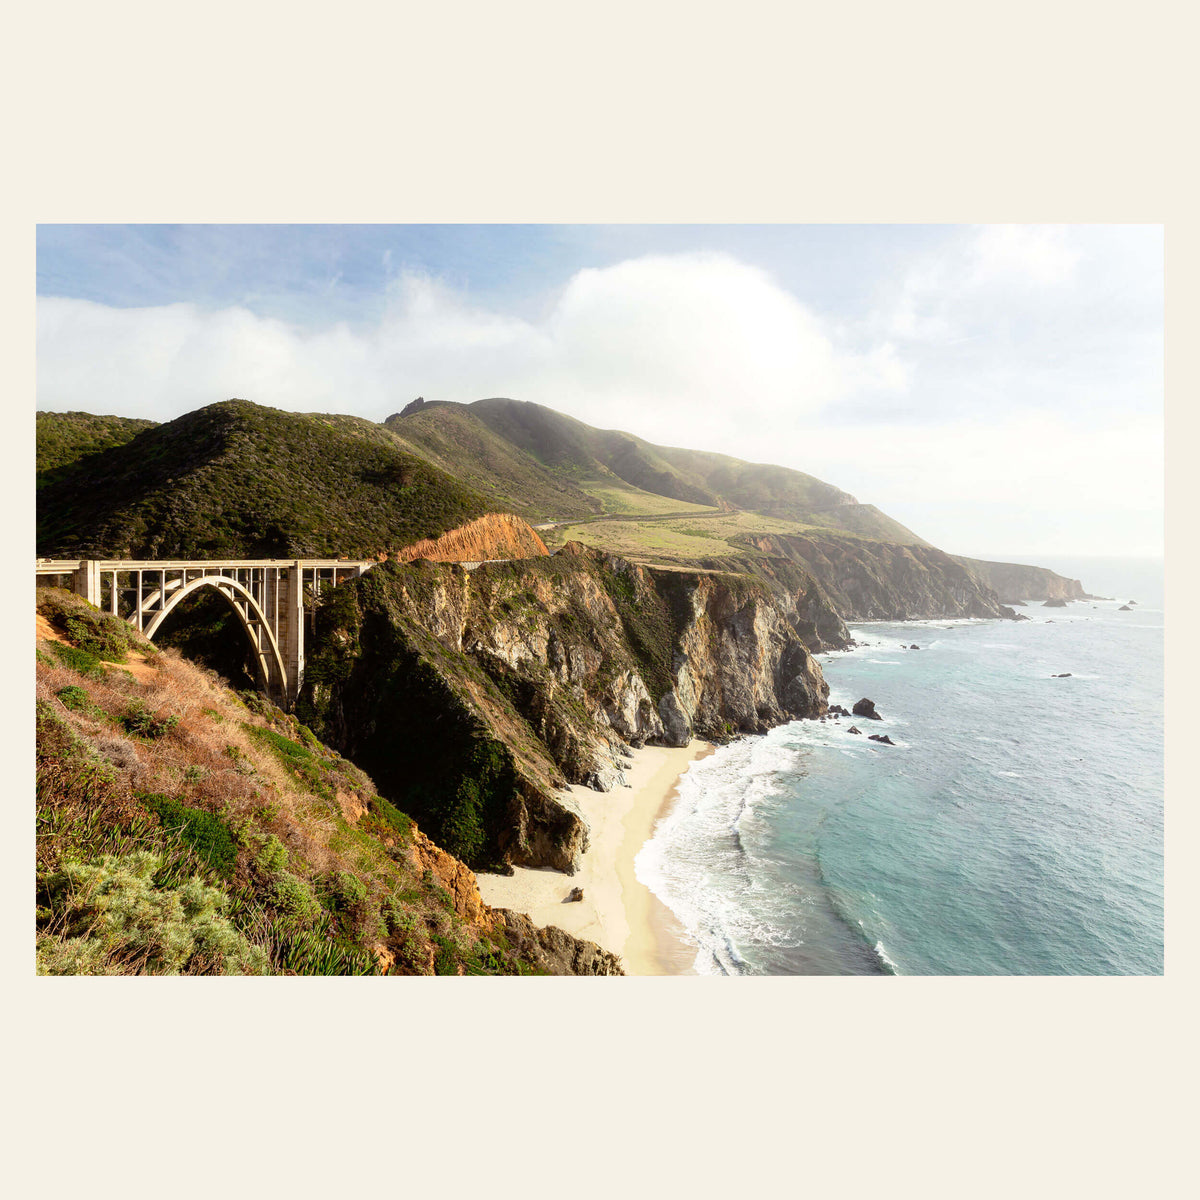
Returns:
(617, 912)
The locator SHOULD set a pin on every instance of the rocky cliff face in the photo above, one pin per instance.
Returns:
(880, 581)
(476, 694)
(1014, 582)
(553, 950)
(497, 535)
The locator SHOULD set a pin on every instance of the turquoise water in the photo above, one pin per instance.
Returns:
(1016, 827)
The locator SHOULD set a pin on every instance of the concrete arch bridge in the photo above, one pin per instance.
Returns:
(269, 595)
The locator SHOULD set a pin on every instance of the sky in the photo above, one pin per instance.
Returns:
(997, 389)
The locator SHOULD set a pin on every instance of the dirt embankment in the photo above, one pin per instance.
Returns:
(498, 535)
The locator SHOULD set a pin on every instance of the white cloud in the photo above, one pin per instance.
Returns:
(646, 344)
(1007, 363)
(1038, 255)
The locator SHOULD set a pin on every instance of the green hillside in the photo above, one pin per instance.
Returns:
(453, 438)
(235, 479)
(585, 453)
(65, 438)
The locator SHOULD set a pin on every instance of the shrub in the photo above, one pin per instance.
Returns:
(272, 856)
(109, 917)
(76, 699)
(400, 822)
(139, 721)
(347, 892)
(298, 759)
(78, 660)
(293, 897)
(206, 834)
(446, 960)
(104, 636)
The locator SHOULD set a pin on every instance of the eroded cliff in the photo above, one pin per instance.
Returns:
(1015, 582)
(882, 581)
(495, 536)
(473, 695)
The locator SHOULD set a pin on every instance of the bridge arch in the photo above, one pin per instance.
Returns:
(271, 597)
(269, 662)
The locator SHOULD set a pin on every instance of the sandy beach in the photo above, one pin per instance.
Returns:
(617, 912)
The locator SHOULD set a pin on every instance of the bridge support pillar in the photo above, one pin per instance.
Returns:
(86, 581)
(291, 629)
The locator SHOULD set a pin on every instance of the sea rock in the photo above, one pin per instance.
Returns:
(855, 729)
(604, 779)
(881, 737)
(1057, 602)
(1133, 602)
(866, 708)
(914, 646)
(573, 895)
(1124, 608)
(1064, 675)
(554, 950)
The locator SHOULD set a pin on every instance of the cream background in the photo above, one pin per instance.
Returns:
(671, 112)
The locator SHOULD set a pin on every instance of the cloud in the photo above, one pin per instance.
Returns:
(1039, 255)
(646, 344)
(1000, 363)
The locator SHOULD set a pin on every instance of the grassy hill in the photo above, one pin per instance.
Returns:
(550, 467)
(237, 479)
(453, 438)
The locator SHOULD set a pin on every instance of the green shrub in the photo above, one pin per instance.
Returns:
(138, 721)
(348, 891)
(293, 897)
(104, 636)
(76, 699)
(298, 759)
(78, 660)
(206, 834)
(399, 821)
(396, 917)
(446, 959)
(272, 856)
(110, 917)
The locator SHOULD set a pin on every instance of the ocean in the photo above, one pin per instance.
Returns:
(1015, 828)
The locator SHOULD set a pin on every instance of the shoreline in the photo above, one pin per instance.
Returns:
(617, 911)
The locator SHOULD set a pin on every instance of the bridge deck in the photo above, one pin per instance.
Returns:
(47, 566)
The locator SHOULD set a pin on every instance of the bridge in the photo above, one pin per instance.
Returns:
(269, 595)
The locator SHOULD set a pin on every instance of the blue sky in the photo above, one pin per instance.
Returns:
(316, 274)
(996, 388)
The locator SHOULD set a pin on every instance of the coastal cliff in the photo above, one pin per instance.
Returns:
(883, 581)
(1015, 582)
(473, 695)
